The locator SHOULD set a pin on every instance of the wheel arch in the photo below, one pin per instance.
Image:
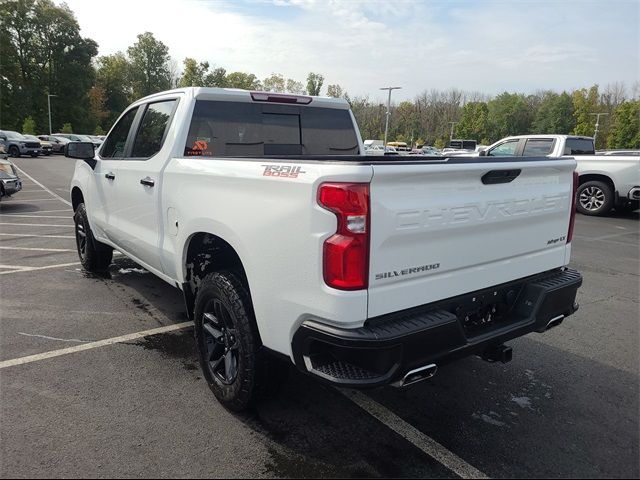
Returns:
(205, 252)
(77, 197)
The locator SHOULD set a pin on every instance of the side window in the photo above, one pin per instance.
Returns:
(538, 147)
(579, 146)
(153, 128)
(506, 149)
(113, 146)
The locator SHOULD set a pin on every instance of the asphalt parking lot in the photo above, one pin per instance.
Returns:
(566, 406)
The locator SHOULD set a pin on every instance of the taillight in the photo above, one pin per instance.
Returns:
(572, 220)
(346, 253)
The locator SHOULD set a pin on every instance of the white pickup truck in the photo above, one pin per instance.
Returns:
(605, 181)
(288, 242)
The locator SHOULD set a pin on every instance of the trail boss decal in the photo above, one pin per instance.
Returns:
(407, 271)
(282, 171)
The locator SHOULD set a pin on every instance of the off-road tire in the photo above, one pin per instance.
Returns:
(95, 256)
(224, 294)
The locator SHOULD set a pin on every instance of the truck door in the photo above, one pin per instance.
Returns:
(102, 200)
(138, 219)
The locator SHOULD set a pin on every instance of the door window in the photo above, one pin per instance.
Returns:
(113, 146)
(153, 129)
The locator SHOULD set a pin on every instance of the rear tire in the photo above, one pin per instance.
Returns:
(235, 365)
(14, 152)
(95, 256)
(594, 198)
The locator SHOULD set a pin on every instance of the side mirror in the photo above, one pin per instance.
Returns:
(483, 153)
(82, 151)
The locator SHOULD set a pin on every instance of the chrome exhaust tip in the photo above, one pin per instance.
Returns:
(555, 321)
(417, 375)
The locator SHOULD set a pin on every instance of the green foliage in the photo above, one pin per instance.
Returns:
(554, 114)
(509, 114)
(314, 83)
(194, 73)
(66, 128)
(246, 81)
(274, 83)
(42, 52)
(474, 123)
(99, 131)
(29, 126)
(112, 75)
(294, 86)
(149, 61)
(335, 91)
(440, 143)
(625, 131)
(585, 102)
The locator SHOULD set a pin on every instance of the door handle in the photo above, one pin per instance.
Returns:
(147, 182)
(110, 176)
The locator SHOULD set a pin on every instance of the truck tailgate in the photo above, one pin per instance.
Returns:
(442, 229)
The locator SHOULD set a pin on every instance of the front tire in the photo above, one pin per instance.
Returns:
(95, 256)
(594, 198)
(233, 361)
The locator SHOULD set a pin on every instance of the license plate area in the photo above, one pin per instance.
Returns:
(486, 310)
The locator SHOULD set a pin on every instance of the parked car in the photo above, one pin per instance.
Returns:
(605, 181)
(10, 182)
(428, 150)
(76, 137)
(45, 147)
(17, 144)
(286, 239)
(57, 143)
(618, 152)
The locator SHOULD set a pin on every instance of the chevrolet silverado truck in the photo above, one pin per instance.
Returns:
(605, 181)
(291, 245)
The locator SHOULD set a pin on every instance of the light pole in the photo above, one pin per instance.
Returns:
(386, 128)
(595, 134)
(453, 124)
(49, 103)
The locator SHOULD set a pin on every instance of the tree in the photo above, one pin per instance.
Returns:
(509, 114)
(335, 91)
(149, 60)
(314, 83)
(274, 83)
(246, 81)
(99, 131)
(97, 109)
(474, 123)
(29, 126)
(66, 128)
(113, 77)
(41, 51)
(194, 74)
(585, 102)
(294, 86)
(217, 78)
(625, 129)
(554, 114)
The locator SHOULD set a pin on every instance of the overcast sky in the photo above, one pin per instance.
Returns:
(487, 46)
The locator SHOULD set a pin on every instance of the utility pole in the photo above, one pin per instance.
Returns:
(49, 103)
(386, 128)
(595, 134)
(453, 124)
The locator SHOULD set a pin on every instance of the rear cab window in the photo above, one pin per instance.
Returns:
(237, 129)
(579, 146)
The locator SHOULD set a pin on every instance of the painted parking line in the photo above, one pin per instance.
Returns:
(24, 268)
(25, 200)
(35, 225)
(43, 187)
(32, 235)
(35, 216)
(413, 435)
(34, 249)
(39, 211)
(88, 346)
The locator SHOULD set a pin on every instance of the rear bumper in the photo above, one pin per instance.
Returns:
(386, 348)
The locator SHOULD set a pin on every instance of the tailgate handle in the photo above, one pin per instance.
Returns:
(500, 176)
